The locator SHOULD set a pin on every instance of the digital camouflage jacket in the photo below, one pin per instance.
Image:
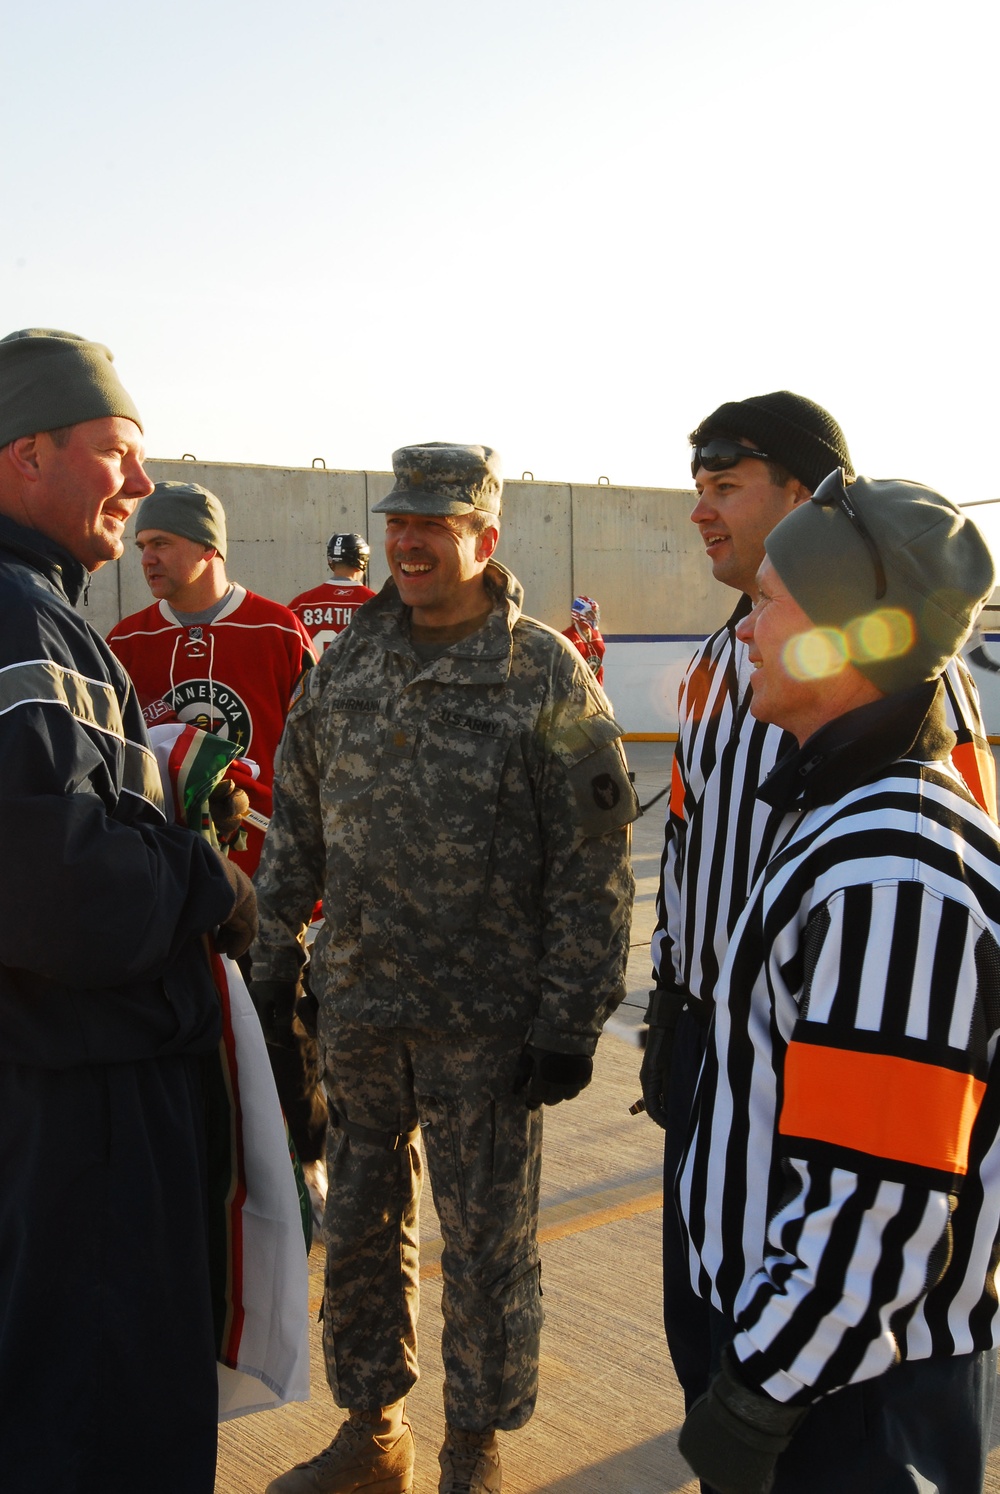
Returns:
(465, 823)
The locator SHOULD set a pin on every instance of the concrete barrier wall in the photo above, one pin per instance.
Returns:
(633, 549)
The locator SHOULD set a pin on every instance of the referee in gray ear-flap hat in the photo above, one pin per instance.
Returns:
(857, 1054)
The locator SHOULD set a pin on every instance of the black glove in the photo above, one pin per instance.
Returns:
(275, 1004)
(548, 1077)
(665, 1006)
(732, 1436)
(228, 806)
(235, 936)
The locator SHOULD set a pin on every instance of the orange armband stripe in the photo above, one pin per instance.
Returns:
(884, 1106)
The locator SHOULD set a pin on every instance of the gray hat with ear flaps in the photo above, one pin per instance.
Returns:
(931, 563)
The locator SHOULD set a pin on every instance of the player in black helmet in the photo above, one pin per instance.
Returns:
(350, 550)
(328, 608)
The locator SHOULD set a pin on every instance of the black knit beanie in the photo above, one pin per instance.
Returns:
(793, 430)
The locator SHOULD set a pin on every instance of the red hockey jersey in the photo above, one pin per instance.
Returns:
(591, 646)
(234, 676)
(326, 610)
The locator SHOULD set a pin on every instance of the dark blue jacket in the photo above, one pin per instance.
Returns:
(102, 903)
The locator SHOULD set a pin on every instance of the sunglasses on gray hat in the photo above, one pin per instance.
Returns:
(832, 493)
(721, 454)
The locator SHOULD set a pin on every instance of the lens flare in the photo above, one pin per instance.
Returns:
(821, 653)
(815, 655)
(885, 634)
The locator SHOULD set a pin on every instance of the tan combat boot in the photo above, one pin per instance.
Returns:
(371, 1454)
(470, 1463)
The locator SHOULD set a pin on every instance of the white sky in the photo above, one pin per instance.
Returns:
(566, 228)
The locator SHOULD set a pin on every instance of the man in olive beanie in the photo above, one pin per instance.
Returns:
(848, 1122)
(188, 509)
(210, 653)
(107, 1005)
(754, 461)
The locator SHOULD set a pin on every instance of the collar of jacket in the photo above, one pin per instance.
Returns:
(743, 609)
(45, 555)
(858, 745)
(485, 654)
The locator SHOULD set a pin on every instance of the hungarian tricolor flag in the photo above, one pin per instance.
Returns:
(258, 1227)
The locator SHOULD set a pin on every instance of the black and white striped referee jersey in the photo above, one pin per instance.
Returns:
(841, 1187)
(718, 833)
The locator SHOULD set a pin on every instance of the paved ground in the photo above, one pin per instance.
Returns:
(609, 1406)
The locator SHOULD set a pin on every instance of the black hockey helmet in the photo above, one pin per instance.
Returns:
(352, 549)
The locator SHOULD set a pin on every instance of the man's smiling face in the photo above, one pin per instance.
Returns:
(735, 512)
(795, 686)
(87, 484)
(437, 562)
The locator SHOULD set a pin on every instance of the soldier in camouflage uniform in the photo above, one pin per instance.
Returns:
(453, 787)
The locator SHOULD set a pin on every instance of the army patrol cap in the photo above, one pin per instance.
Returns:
(187, 509)
(441, 478)
(50, 379)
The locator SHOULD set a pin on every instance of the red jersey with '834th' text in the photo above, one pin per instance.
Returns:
(327, 609)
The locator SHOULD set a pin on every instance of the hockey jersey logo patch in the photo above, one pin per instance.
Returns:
(212, 707)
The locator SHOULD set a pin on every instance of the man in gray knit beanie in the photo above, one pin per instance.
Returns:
(108, 1011)
(61, 394)
(209, 652)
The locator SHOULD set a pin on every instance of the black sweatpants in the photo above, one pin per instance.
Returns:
(107, 1360)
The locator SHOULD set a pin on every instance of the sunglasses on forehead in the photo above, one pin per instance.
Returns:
(832, 493)
(721, 454)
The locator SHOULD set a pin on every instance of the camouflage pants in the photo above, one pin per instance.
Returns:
(483, 1151)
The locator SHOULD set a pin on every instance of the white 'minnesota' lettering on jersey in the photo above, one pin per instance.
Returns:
(910, 868)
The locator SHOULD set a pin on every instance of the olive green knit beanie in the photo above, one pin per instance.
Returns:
(50, 379)
(187, 509)
(846, 544)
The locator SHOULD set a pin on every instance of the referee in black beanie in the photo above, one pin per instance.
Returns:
(753, 461)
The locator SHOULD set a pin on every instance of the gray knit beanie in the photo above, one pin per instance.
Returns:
(187, 509)
(794, 431)
(930, 562)
(50, 379)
